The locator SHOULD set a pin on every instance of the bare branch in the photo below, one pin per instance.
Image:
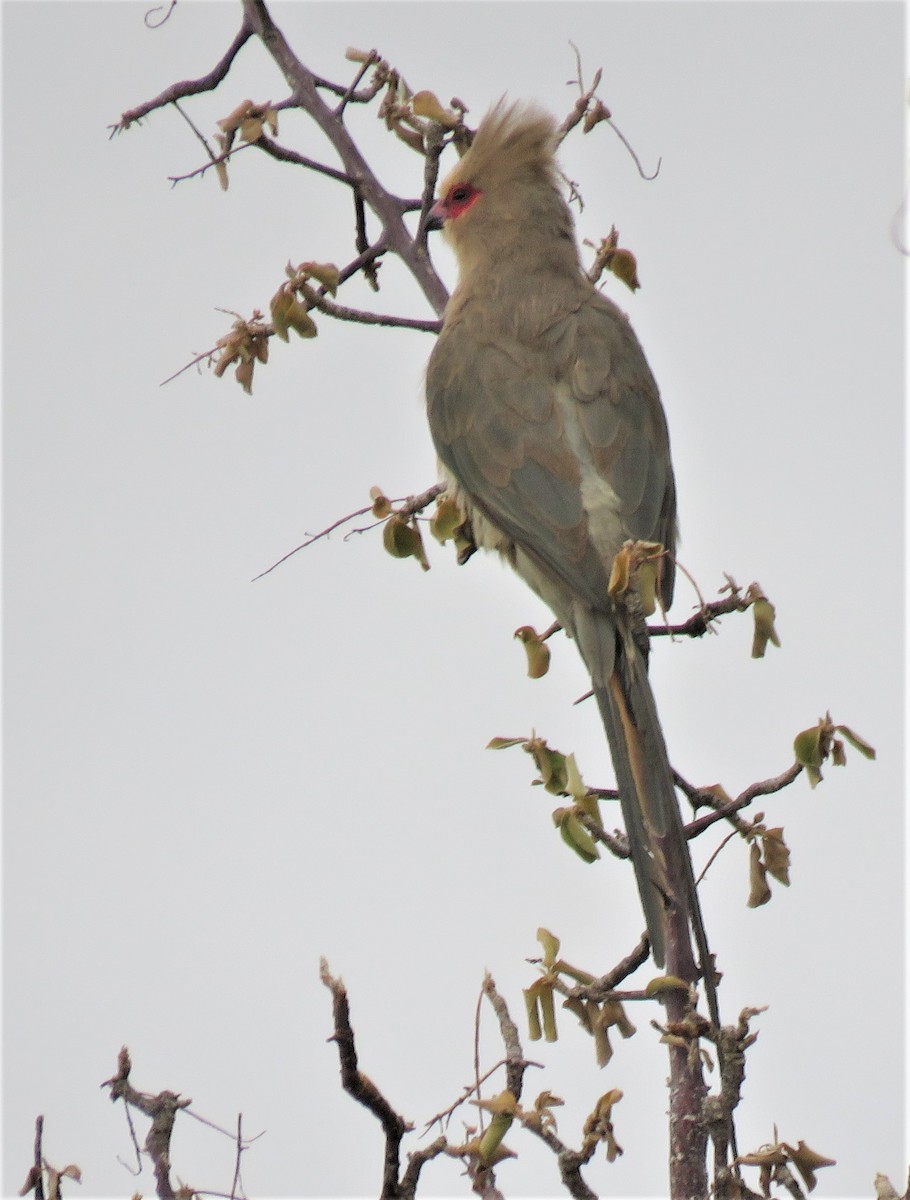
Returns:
(315, 538)
(416, 1160)
(569, 1161)
(189, 87)
(765, 787)
(162, 1109)
(361, 1087)
(283, 154)
(700, 621)
(361, 317)
(515, 1060)
(369, 61)
(39, 1158)
(235, 1182)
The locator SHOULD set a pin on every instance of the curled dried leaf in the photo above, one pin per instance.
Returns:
(624, 265)
(426, 104)
(763, 613)
(776, 855)
(326, 273)
(550, 943)
(402, 540)
(663, 983)
(244, 374)
(548, 1013)
(537, 651)
(575, 835)
(532, 1007)
(251, 129)
(759, 892)
(235, 117)
(809, 750)
(446, 520)
(807, 1162)
(382, 505)
(504, 743)
(597, 111)
(603, 1051)
(32, 1181)
(856, 741)
(550, 763)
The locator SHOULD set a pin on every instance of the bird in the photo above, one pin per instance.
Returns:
(551, 435)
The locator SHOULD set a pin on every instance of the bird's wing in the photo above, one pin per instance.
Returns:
(561, 445)
(623, 422)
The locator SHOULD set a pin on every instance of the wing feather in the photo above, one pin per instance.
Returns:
(563, 451)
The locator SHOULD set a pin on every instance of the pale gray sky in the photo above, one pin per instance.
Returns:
(210, 783)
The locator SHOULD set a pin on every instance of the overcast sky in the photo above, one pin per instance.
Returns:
(209, 782)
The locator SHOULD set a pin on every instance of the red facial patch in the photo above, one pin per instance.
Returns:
(459, 198)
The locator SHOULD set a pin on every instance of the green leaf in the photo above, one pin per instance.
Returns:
(856, 741)
(504, 743)
(763, 613)
(576, 837)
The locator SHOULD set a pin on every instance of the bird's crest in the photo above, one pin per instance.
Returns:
(512, 141)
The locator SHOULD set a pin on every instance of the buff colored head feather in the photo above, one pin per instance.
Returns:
(513, 142)
(505, 190)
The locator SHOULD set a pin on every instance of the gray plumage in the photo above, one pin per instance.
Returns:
(549, 427)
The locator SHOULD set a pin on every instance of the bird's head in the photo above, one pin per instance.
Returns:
(504, 192)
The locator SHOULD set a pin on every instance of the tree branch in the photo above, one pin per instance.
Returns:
(189, 87)
(362, 1088)
(162, 1109)
(765, 787)
(386, 207)
(515, 1059)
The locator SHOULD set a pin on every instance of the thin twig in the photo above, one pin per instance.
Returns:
(215, 159)
(765, 787)
(135, 1141)
(714, 855)
(228, 1133)
(240, 1148)
(195, 130)
(362, 317)
(149, 24)
(446, 1115)
(363, 262)
(622, 137)
(284, 154)
(314, 538)
(371, 58)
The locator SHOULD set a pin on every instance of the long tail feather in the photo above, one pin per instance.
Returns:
(647, 794)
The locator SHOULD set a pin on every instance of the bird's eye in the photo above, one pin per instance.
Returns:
(460, 193)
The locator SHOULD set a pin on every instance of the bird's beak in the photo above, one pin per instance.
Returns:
(436, 216)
